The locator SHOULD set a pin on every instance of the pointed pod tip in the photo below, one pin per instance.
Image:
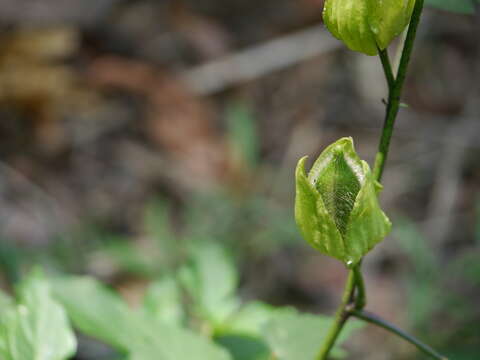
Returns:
(345, 146)
(300, 170)
(303, 159)
(345, 142)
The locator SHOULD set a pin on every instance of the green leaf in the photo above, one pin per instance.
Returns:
(37, 328)
(163, 301)
(100, 313)
(245, 347)
(96, 310)
(459, 6)
(242, 334)
(295, 336)
(213, 283)
(251, 318)
(336, 206)
(163, 342)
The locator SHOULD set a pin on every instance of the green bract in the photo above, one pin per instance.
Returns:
(366, 25)
(336, 205)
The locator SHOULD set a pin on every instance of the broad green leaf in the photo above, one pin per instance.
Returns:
(100, 313)
(251, 318)
(460, 6)
(37, 327)
(96, 310)
(162, 342)
(242, 334)
(295, 336)
(214, 282)
(163, 301)
(245, 347)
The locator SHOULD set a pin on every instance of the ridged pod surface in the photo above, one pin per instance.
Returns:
(336, 205)
(367, 25)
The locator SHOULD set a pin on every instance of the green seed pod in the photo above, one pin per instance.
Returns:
(336, 205)
(366, 25)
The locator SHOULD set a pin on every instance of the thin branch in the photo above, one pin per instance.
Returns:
(376, 320)
(341, 318)
(395, 93)
(387, 67)
(361, 297)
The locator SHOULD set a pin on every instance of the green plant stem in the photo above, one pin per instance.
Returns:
(395, 91)
(360, 296)
(374, 319)
(341, 318)
(387, 68)
(395, 84)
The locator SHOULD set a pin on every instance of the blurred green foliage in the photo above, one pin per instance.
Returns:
(193, 313)
(438, 292)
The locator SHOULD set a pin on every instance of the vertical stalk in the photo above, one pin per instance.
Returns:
(341, 318)
(387, 68)
(395, 85)
(360, 296)
(395, 92)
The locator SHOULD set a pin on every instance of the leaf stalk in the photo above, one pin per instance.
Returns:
(378, 321)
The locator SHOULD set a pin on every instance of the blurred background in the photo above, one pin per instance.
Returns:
(130, 129)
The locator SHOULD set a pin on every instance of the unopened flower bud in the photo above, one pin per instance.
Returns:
(367, 25)
(336, 205)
